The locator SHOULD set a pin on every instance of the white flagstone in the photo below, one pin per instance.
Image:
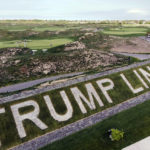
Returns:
(53, 112)
(135, 91)
(2, 110)
(140, 78)
(145, 73)
(33, 116)
(106, 88)
(141, 145)
(78, 95)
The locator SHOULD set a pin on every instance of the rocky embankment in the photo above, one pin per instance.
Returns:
(18, 64)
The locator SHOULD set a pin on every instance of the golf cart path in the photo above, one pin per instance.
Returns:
(145, 38)
(25, 85)
(139, 56)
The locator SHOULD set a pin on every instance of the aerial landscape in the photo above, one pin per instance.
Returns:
(75, 78)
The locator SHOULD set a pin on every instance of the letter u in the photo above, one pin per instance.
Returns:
(53, 112)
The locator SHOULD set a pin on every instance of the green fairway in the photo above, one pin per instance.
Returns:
(36, 44)
(14, 27)
(36, 27)
(54, 28)
(126, 31)
(136, 127)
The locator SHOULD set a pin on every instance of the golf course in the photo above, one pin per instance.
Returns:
(36, 44)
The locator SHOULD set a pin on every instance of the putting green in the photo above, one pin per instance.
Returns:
(123, 31)
(35, 44)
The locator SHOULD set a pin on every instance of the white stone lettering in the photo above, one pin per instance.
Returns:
(130, 86)
(106, 88)
(91, 93)
(2, 110)
(140, 78)
(54, 114)
(145, 74)
(148, 68)
(33, 116)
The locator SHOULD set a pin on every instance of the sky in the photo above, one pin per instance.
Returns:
(75, 9)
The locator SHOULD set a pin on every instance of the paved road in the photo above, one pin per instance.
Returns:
(139, 56)
(25, 85)
(145, 38)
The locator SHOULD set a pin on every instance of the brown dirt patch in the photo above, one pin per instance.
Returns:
(130, 45)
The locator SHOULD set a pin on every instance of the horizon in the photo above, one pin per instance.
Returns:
(73, 20)
(75, 10)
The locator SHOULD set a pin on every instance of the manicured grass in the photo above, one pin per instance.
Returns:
(126, 31)
(135, 122)
(36, 27)
(14, 27)
(120, 93)
(36, 44)
(53, 28)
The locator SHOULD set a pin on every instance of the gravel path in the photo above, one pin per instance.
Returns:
(139, 56)
(25, 85)
(81, 124)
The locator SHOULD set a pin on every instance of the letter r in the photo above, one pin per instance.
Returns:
(33, 116)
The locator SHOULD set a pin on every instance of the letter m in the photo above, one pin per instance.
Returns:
(91, 93)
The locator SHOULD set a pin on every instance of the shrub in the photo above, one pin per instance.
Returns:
(116, 135)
